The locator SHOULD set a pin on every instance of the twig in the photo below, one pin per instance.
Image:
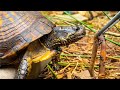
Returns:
(74, 68)
(91, 15)
(113, 34)
(64, 21)
(93, 30)
(64, 68)
(89, 56)
(113, 57)
(86, 66)
(110, 19)
(69, 23)
(52, 71)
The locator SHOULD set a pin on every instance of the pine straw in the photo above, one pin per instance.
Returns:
(84, 47)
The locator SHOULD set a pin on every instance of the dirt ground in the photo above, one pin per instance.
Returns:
(74, 60)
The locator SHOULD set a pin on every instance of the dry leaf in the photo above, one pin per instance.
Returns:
(83, 74)
(69, 75)
(60, 76)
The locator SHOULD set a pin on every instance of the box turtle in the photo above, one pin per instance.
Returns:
(32, 38)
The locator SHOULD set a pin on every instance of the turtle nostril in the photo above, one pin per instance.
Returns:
(78, 28)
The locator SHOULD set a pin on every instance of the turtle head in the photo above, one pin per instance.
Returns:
(64, 35)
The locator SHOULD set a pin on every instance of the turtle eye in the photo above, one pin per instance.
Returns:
(76, 28)
(79, 28)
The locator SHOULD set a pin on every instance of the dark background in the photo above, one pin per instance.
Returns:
(111, 5)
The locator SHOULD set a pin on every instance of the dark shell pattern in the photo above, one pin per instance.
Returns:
(20, 27)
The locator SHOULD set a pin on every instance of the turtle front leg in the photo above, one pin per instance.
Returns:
(30, 68)
(23, 69)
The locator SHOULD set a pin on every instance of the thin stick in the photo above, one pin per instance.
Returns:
(75, 68)
(93, 30)
(74, 64)
(48, 66)
(110, 19)
(89, 56)
(64, 68)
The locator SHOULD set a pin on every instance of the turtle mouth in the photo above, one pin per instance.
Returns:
(71, 39)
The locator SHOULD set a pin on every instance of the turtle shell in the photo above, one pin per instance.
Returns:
(19, 28)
